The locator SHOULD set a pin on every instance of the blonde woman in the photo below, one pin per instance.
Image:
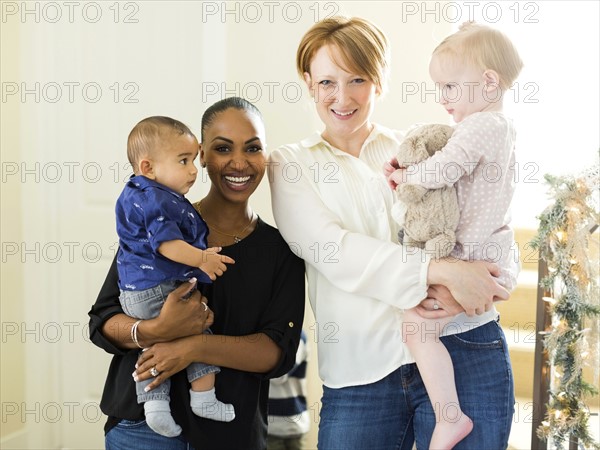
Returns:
(359, 281)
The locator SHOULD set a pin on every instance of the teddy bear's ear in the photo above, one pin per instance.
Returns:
(412, 150)
(420, 148)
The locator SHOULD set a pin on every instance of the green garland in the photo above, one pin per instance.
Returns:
(563, 241)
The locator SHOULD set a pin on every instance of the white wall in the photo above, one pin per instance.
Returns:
(555, 101)
(12, 363)
(176, 58)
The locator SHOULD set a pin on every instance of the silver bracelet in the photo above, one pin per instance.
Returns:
(134, 336)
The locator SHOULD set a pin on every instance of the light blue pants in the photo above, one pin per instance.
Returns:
(147, 304)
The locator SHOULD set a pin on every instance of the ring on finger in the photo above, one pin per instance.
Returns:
(154, 372)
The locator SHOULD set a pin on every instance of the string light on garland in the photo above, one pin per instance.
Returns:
(563, 240)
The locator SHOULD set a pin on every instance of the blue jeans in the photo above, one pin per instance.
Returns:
(395, 412)
(147, 304)
(137, 435)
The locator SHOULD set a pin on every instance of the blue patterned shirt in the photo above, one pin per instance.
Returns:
(148, 214)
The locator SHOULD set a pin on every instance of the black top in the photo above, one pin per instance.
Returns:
(262, 292)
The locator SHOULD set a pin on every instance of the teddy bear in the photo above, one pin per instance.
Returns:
(428, 217)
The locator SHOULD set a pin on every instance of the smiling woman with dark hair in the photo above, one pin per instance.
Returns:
(258, 307)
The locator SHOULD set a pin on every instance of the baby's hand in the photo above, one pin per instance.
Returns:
(396, 178)
(213, 264)
(390, 166)
(392, 171)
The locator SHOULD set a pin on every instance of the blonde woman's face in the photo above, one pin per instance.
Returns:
(344, 100)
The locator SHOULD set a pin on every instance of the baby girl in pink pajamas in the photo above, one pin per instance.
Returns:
(472, 68)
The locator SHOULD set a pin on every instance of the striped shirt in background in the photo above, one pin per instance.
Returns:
(288, 415)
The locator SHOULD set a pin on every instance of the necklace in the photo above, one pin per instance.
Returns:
(236, 237)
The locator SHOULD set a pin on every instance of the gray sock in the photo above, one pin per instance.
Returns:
(159, 419)
(205, 404)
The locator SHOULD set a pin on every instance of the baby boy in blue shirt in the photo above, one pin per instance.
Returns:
(162, 242)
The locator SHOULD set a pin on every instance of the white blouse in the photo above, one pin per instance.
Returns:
(333, 209)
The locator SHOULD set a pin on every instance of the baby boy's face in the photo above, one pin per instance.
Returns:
(173, 164)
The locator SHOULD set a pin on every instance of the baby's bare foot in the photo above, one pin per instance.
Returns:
(447, 434)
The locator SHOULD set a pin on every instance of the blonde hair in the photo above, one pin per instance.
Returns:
(363, 47)
(149, 133)
(482, 47)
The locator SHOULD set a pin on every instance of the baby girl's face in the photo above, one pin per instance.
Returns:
(463, 90)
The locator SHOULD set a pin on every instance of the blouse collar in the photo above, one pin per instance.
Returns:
(378, 132)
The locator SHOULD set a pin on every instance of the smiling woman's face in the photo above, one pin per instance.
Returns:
(233, 151)
(344, 100)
